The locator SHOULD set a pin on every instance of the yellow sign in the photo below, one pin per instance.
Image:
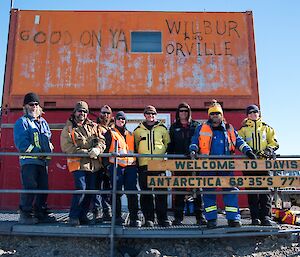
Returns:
(227, 182)
(223, 165)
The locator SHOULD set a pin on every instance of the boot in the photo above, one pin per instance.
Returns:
(44, 217)
(97, 215)
(106, 215)
(26, 218)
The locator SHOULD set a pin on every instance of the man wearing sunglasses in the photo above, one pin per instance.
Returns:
(215, 137)
(151, 137)
(262, 139)
(126, 170)
(102, 202)
(32, 135)
(181, 132)
(80, 135)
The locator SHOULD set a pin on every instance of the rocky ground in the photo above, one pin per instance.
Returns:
(82, 247)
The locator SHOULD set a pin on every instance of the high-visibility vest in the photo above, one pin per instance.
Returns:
(125, 146)
(73, 163)
(206, 134)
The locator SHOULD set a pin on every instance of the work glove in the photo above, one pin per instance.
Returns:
(193, 155)
(251, 155)
(269, 152)
(94, 152)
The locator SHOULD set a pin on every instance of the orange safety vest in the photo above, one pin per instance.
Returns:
(125, 146)
(73, 163)
(205, 136)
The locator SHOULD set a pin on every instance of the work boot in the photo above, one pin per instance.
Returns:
(106, 215)
(149, 223)
(164, 223)
(201, 220)
(26, 218)
(44, 217)
(234, 223)
(255, 222)
(135, 223)
(84, 220)
(97, 215)
(268, 222)
(177, 222)
(211, 224)
(74, 222)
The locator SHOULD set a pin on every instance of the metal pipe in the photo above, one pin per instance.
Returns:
(114, 202)
(147, 192)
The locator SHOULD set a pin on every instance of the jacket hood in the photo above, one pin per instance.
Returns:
(185, 105)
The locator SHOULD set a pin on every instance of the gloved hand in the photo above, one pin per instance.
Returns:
(193, 155)
(269, 152)
(94, 152)
(251, 155)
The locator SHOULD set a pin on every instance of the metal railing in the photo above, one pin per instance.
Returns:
(114, 190)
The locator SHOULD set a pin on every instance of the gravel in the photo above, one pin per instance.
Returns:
(81, 247)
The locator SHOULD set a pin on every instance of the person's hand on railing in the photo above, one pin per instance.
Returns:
(269, 152)
(193, 155)
(251, 155)
(94, 152)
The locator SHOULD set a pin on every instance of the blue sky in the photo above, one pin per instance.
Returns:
(277, 37)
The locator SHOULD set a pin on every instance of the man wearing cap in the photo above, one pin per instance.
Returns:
(126, 170)
(32, 135)
(80, 136)
(105, 122)
(151, 137)
(262, 139)
(215, 137)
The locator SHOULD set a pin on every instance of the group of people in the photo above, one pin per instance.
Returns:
(81, 135)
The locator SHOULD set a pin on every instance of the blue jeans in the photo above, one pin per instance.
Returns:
(102, 183)
(127, 177)
(34, 177)
(83, 180)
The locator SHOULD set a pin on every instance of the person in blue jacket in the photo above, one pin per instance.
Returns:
(32, 135)
(215, 137)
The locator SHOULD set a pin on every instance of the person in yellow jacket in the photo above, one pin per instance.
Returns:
(126, 170)
(151, 137)
(262, 139)
(80, 135)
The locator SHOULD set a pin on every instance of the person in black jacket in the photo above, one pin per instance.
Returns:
(181, 132)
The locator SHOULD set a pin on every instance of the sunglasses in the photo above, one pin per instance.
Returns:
(33, 104)
(121, 118)
(253, 112)
(183, 110)
(84, 111)
(215, 113)
(105, 113)
(150, 113)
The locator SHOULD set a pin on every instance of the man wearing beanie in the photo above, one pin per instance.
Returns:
(151, 137)
(126, 170)
(261, 138)
(215, 137)
(181, 132)
(32, 135)
(80, 135)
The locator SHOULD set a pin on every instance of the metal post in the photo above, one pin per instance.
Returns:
(11, 4)
(114, 201)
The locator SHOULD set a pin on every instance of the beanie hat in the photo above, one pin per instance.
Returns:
(31, 97)
(81, 105)
(252, 108)
(215, 107)
(120, 114)
(150, 108)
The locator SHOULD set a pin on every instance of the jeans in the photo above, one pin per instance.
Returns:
(102, 183)
(83, 180)
(34, 177)
(127, 177)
